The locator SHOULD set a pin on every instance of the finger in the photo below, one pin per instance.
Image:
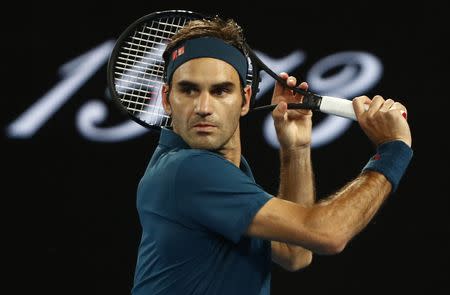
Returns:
(387, 105)
(398, 106)
(279, 87)
(401, 107)
(298, 113)
(279, 112)
(375, 105)
(304, 86)
(291, 81)
(359, 105)
(405, 115)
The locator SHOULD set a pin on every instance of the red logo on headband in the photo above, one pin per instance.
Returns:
(180, 50)
(177, 53)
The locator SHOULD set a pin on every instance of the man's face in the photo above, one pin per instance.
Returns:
(206, 103)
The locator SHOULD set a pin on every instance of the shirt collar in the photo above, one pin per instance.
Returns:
(171, 139)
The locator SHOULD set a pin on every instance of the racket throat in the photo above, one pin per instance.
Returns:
(311, 101)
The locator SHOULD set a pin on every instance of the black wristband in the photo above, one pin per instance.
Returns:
(391, 160)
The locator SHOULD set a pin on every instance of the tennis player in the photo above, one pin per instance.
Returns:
(207, 226)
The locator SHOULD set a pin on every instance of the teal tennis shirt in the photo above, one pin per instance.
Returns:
(194, 207)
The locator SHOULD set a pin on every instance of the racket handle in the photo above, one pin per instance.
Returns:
(326, 104)
(337, 106)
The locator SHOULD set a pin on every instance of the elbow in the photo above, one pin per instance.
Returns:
(333, 246)
(300, 261)
(324, 236)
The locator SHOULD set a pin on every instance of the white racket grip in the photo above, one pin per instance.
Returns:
(337, 106)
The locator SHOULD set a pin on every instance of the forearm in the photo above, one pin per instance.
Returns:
(297, 185)
(343, 215)
(296, 176)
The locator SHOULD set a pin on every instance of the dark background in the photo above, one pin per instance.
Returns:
(73, 223)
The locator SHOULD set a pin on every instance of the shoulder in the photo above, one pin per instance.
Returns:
(203, 164)
(199, 159)
(188, 164)
(194, 166)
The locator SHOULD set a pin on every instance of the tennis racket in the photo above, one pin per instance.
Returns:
(136, 72)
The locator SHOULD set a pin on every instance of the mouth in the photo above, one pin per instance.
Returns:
(204, 127)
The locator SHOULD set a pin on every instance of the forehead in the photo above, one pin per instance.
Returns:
(206, 70)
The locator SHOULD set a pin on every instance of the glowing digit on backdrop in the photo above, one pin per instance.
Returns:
(75, 72)
(94, 112)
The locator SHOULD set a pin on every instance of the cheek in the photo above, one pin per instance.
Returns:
(180, 116)
(232, 114)
(235, 103)
(179, 107)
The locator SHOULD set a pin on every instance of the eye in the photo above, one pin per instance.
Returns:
(221, 91)
(189, 90)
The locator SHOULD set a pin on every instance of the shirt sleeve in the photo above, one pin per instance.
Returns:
(212, 192)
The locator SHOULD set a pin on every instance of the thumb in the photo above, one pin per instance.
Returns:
(279, 111)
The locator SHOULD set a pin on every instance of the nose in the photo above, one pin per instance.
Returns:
(203, 107)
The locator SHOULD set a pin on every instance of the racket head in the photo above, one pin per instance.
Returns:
(135, 72)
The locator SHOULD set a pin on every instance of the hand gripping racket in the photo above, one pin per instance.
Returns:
(136, 72)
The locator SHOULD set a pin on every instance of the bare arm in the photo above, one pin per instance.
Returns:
(296, 185)
(326, 227)
(296, 176)
(294, 128)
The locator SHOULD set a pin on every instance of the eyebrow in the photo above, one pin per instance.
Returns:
(185, 83)
(225, 84)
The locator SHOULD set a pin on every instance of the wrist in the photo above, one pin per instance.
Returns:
(293, 154)
(391, 160)
(289, 151)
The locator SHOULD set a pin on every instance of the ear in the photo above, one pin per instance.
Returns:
(165, 92)
(247, 95)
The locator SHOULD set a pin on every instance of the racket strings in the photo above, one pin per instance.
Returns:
(139, 69)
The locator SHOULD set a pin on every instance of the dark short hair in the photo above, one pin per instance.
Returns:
(227, 30)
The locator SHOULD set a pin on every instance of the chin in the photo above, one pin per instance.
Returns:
(204, 146)
(204, 143)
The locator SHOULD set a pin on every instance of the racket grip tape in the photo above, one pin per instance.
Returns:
(337, 106)
(341, 107)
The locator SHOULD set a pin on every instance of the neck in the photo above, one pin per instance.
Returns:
(232, 150)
